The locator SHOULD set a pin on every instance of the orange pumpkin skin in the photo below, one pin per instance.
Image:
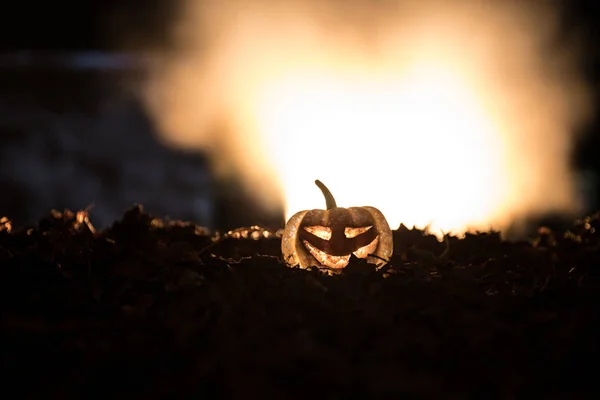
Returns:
(327, 238)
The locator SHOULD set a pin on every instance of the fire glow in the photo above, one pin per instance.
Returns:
(453, 116)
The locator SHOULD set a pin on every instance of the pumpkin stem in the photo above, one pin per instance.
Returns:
(329, 199)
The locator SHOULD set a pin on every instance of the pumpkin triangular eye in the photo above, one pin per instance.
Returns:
(354, 232)
(322, 232)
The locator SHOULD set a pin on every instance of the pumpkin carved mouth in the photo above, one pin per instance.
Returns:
(328, 238)
(326, 259)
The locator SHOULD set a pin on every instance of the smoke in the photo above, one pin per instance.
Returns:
(207, 88)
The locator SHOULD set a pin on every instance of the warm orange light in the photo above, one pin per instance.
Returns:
(418, 145)
(449, 114)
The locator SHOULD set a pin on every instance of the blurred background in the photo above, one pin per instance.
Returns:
(74, 130)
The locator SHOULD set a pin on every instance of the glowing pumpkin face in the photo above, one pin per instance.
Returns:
(327, 238)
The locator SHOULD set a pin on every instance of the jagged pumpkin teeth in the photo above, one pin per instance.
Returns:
(327, 238)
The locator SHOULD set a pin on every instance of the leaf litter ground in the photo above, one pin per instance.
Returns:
(157, 309)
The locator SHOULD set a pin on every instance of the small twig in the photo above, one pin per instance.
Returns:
(268, 256)
(209, 246)
(231, 260)
(386, 263)
(379, 258)
(545, 284)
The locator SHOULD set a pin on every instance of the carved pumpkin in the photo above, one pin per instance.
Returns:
(327, 238)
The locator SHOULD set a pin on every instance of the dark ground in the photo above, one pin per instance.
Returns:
(146, 309)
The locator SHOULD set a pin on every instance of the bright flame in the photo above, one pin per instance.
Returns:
(420, 149)
(450, 114)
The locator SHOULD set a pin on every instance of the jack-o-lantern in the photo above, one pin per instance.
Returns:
(327, 238)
